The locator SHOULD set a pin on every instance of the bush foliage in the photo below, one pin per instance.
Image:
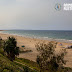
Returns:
(47, 59)
(10, 47)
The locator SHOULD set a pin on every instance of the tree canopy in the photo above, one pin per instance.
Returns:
(10, 47)
(47, 59)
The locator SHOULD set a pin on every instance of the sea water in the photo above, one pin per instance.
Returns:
(59, 35)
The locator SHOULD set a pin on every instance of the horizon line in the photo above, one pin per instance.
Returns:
(31, 29)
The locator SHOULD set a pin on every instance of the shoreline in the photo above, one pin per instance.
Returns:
(42, 38)
(30, 43)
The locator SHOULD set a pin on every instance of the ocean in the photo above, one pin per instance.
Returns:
(58, 35)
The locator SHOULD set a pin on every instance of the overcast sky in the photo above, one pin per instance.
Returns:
(34, 15)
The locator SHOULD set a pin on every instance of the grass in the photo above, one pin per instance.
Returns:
(7, 66)
(26, 68)
(28, 63)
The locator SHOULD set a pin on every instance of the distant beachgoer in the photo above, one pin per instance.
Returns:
(60, 44)
(68, 46)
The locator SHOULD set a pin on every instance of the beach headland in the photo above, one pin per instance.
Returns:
(30, 43)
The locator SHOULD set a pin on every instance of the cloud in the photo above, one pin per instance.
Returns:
(33, 14)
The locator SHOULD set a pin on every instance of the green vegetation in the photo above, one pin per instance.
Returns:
(8, 50)
(10, 63)
(7, 66)
(10, 47)
(1, 47)
(25, 67)
(28, 63)
(48, 60)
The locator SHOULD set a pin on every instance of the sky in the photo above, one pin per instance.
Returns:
(34, 15)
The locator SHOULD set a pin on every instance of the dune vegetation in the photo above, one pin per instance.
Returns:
(46, 61)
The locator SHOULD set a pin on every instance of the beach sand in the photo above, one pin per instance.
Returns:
(30, 43)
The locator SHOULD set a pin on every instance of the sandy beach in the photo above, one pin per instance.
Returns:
(30, 43)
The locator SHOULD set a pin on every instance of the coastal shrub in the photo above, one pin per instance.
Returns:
(0, 42)
(47, 59)
(1, 47)
(10, 47)
(5, 70)
(26, 69)
(2, 51)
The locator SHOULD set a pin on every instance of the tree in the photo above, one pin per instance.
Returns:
(10, 47)
(47, 59)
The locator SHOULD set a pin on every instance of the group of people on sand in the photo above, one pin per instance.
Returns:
(68, 46)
